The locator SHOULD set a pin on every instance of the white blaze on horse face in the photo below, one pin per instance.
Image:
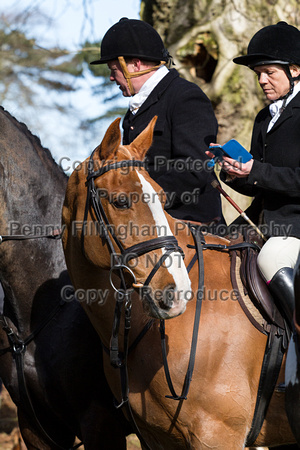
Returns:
(177, 267)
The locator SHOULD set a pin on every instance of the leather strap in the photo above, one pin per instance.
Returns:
(269, 374)
(22, 237)
(129, 75)
(188, 378)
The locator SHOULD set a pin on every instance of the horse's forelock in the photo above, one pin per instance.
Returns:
(125, 152)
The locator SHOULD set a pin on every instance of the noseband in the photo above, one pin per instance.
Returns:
(120, 260)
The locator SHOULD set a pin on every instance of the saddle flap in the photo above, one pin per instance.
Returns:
(253, 282)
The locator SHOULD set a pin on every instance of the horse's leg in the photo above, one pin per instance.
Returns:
(219, 443)
(107, 441)
(217, 434)
(109, 431)
(32, 438)
(19, 444)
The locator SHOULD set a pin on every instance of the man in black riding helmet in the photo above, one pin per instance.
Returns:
(137, 59)
(272, 177)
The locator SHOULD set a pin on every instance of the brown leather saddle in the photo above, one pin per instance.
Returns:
(248, 282)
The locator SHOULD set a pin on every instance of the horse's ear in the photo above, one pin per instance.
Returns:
(143, 141)
(111, 141)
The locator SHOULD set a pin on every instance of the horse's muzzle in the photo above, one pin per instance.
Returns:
(163, 303)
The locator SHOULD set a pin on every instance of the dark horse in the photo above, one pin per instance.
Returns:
(292, 373)
(56, 379)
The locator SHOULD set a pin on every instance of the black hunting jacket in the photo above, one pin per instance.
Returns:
(274, 180)
(185, 126)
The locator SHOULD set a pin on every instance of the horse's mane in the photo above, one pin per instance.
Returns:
(43, 152)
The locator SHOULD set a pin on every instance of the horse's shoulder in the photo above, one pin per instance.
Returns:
(214, 239)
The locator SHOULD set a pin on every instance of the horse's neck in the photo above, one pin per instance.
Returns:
(32, 185)
(32, 189)
(25, 266)
(26, 269)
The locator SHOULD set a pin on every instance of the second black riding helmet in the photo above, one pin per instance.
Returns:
(273, 44)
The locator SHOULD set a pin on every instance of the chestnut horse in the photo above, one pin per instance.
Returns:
(293, 364)
(50, 355)
(115, 223)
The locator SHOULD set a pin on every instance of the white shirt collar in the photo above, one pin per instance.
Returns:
(138, 99)
(275, 107)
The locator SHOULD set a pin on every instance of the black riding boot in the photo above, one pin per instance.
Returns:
(282, 287)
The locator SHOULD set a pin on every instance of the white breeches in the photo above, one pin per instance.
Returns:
(278, 252)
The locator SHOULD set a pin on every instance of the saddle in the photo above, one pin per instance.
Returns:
(244, 265)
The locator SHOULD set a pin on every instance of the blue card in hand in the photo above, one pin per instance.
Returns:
(233, 149)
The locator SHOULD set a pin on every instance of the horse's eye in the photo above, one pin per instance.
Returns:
(121, 202)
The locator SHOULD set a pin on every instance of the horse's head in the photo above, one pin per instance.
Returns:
(126, 228)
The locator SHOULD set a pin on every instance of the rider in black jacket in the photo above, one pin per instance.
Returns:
(186, 122)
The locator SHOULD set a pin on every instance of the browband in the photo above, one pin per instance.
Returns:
(116, 165)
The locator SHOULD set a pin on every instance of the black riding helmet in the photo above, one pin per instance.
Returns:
(132, 38)
(274, 44)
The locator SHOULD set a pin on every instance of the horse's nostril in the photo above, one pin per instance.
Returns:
(168, 297)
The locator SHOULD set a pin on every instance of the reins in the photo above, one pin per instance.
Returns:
(25, 237)
(199, 246)
(188, 377)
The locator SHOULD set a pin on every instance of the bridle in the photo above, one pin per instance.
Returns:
(119, 261)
